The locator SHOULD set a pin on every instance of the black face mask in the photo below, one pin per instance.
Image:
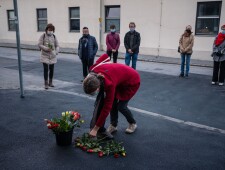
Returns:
(85, 35)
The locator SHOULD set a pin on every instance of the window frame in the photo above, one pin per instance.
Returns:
(112, 18)
(9, 19)
(41, 19)
(207, 17)
(70, 19)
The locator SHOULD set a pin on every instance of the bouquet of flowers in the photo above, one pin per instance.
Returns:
(66, 123)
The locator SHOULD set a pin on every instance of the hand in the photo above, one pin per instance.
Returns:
(113, 50)
(130, 51)
(48, 49)
(93, 133)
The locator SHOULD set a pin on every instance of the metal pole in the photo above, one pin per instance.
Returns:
(100, 26)
(18, 47)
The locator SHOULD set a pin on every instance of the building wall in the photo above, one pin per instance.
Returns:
(160, 22)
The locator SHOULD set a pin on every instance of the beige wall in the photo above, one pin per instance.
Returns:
(160, 24)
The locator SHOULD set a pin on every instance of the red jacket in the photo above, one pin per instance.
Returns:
(121, 82)
(220, 38)
(112, 41)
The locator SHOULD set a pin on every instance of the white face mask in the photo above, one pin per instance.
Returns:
(94, 93)
(49, 32)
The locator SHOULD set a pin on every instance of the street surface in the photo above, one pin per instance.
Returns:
(181, 121)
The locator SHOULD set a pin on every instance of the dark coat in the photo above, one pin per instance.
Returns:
(136, 42)
(92, 48)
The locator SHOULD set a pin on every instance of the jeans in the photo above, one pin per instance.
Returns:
(119, 105)
(87, 63)
(134, 59)
(115, 55)
(48, 68)
(184, 57)
(218, 71)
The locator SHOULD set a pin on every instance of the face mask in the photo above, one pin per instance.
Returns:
(94, 93)
(132, 29)
(113, 30)
(85, 35)
(49, 32)
(223, 31)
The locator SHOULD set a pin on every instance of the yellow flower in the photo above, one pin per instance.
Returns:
(67, 112)
(82, 121)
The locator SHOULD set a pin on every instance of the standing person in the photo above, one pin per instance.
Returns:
(186, 43)
(49, 46)
(219, 58)
(87, 49)
(113, 43)
(111, 81)
(132, 42)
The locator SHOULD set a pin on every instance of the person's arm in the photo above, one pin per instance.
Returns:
(181, 44)
(136, 46)
(95, 46)
(41, 44)
(56, 46)
(190, 46)
(126, 45)
(118, 43)
(108, 102)
(109, 47)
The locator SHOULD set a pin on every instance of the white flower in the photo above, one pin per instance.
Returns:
(63, 113)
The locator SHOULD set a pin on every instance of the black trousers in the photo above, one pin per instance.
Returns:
(87, 63)
(48, 68)
(119, 105)
(115, 55)
(218, 71)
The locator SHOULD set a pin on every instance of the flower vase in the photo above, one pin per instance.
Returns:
(64, 138)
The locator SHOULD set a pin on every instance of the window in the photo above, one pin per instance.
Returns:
(74, 13)
(41, 19)
(112, 16)
(208, 18)
(11, 20)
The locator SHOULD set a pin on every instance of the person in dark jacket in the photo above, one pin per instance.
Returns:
(87, 50)
(132, 42)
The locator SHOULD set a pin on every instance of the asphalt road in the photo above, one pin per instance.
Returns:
(181, 122)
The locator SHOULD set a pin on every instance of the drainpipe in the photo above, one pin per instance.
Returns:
(160, 25)
(100, 26)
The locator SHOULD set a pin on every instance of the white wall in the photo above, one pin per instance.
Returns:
(160, 24)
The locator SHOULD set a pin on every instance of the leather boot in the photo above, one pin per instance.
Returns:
(50, 83)
(46, 84)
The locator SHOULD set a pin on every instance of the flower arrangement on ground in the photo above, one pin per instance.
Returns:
(100, 146)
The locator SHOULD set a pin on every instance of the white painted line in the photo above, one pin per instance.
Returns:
(192, 124)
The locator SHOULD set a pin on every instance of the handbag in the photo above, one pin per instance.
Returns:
(178, 50)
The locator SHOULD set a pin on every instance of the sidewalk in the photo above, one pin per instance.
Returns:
(148, 58)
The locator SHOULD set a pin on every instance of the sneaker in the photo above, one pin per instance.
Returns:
(220, 84)
(111, 129)
(213, 83)
(131, 128)
(181, 75)
(105, 135)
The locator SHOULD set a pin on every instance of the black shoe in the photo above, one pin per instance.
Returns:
(181, 75)
(81, 81)
(104, 135)
(186, 75)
